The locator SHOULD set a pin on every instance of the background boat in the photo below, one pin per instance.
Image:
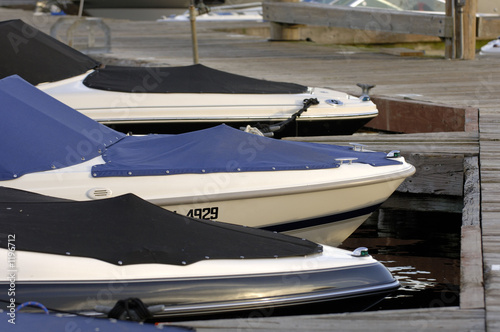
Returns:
(68, 253)
(176, 99)
(219, 173)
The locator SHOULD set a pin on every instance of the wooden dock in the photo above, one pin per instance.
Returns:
(243, 48)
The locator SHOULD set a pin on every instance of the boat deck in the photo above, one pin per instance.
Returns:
(465, 84)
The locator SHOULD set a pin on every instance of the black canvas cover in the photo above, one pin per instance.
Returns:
(187, 79)
(128, 230)
(8, 195)
(36, 56)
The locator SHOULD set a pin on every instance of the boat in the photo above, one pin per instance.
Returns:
(48, 322)
(151, 4)
(174, 100)
(491, 48)
(249, 12)
(219, 173)
(125, 258)
(413, 5)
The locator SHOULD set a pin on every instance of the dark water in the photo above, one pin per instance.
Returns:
(418, 239)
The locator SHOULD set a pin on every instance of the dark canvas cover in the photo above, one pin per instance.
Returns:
(187, 79)
(36, 56)
(128, 230)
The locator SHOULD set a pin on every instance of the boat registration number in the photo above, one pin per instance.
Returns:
(204, 213)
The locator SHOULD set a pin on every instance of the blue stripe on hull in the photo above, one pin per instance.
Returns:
(322, 220)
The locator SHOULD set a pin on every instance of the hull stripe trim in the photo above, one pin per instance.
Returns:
(322, 220)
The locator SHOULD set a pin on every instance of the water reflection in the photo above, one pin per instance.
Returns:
(418, 239)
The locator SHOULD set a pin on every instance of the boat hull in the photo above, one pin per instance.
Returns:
(172, 113)
(301, 282)
(325, 216)
(325, 206)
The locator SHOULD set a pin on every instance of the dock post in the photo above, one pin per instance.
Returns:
(465, 29)
(285, 31)
(192, 19)
(469, 32)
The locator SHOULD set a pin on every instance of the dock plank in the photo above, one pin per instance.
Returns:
(490, 206)
(466, 143)
(471, 268)
(437, 319)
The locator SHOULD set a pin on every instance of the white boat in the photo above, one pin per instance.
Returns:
(143, 100)
(491, 48)
(129, 259)
(219, 173)
(229, 13)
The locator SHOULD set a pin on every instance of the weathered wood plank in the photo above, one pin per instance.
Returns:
(488, 26)
(492, 292)
(490, 212)
(373, 19)
(472, 193)
(401, 51)
(434, 319)
(466, 143)
(435, 174)
(471, 268)
(471, 259)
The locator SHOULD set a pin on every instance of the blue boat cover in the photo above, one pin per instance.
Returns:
(40, 322)
(222, 149)
(39, 133)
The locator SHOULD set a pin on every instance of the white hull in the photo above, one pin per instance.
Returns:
(90, 286)
(281, 200)
(112, 107)
(40, 267)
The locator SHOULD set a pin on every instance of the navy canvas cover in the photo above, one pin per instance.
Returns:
(186, 79)
(39, 133)
(128, 230)
(40, 322)
(36, 56)
(222, 149)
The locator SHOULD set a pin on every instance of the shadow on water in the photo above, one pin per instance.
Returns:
(418, 239)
